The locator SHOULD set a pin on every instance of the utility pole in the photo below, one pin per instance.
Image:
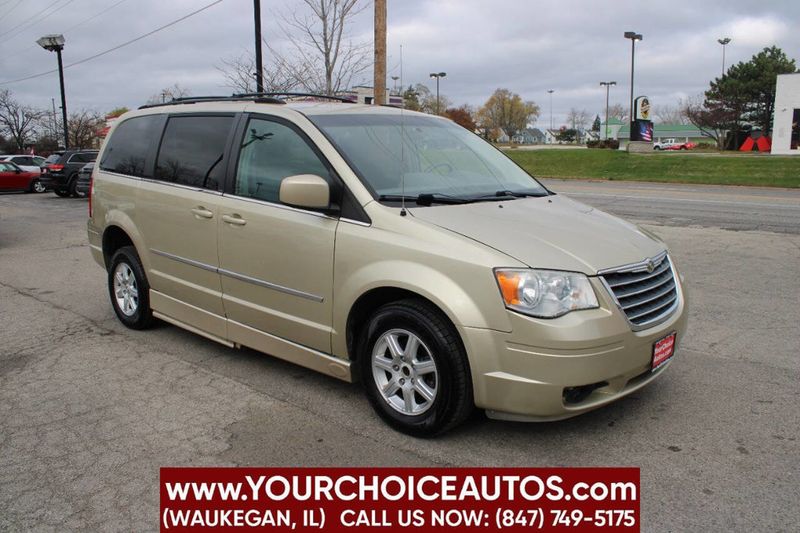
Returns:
(259, 60)
(379, 83)
(633, 36)
(550, 92)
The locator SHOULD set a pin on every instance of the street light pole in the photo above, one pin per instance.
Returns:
(724, 42)
(55, 43)
(550, 92)
(633, 36)
(607, 85)
(259, 60)
(438, 76)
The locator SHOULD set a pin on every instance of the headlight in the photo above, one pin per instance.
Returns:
(545, 293)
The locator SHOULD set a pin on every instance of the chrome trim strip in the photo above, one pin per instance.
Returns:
(273, 286)
(633, 267)
(279, 206)
(355, 222)
(240, 277)
(190, 262)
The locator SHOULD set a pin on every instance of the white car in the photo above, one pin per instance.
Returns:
(28, 163)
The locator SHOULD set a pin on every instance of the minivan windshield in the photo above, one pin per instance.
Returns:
(434, 157)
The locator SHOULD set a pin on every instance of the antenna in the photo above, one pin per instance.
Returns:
(402, 142)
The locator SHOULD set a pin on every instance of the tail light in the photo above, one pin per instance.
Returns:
(91, 193)
(55, 168)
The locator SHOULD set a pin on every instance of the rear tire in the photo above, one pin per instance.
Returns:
(73, 187)
(414, 368)
(37, 187)
(129, 290)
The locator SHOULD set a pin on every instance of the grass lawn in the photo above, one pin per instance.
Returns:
(716, 169)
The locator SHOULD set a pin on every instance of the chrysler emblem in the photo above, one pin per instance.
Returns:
(650, 266)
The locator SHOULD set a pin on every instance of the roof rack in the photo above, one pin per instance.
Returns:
(296, 95)
(263, 99)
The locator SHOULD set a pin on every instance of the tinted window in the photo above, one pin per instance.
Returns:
(192, 151)
(53, 159)
(126, 151)
(270, 152)
(22, 160)
(83, 157)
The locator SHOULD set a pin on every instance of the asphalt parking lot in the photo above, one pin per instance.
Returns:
(90, 410)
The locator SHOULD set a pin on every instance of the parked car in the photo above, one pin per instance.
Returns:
(13, 178)
(381, 245)
(672, 144)
(60, 172)
(29, 163)
(84, 180)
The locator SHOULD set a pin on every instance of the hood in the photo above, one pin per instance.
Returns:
(552, 232)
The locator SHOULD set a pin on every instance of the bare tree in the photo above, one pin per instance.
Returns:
(712, 120)
(168, 93)
(323, 56)
(619, 112)
(19, 122)
(239, 74)
(578, 119)
(668, 114)
(84, 129)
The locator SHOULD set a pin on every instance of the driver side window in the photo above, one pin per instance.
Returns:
(270, 152)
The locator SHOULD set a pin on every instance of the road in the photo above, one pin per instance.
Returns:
(90, 410)
(735, 208)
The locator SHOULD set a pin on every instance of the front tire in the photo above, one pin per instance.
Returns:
(414, 368)
(129, 289)
(61, 193)
(73, 187)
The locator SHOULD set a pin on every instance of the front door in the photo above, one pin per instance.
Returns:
(276, 262)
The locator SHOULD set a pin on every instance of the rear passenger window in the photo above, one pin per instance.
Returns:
(192, 151)
(126, 152)
(270, 152)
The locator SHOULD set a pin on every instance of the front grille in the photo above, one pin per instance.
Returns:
(645, 296)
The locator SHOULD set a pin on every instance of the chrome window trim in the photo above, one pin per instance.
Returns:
(240, 277)
(279, 206)
(355, 222)
(642, 265)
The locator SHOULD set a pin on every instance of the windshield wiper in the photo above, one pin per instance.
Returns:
(424, 198)
(516, 194)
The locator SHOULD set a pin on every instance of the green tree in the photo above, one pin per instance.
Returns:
(507, 111)
(596, 124)
(746, 92)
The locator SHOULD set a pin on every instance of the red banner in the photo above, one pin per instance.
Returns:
(395, 499)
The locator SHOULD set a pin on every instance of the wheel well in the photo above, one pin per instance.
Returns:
(114, 238)
(370, 301)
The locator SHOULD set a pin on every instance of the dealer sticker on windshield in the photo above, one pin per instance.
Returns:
(663, 350)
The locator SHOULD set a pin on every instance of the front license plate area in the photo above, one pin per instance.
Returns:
(663, 350)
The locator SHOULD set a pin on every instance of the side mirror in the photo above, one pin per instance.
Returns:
(305, 190)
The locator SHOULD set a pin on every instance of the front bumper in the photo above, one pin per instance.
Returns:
(533, 372)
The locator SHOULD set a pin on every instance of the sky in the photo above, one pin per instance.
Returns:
(526, 46)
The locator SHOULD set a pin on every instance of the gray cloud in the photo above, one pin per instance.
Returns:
(526, 46)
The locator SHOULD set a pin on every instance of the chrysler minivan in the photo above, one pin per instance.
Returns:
(375, 244)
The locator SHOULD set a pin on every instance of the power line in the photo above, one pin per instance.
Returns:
(95, 56)
(36, 18)
(103, 12)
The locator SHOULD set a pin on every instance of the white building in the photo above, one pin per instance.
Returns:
(785, 127)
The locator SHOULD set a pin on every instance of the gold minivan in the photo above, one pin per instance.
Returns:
(376, 244)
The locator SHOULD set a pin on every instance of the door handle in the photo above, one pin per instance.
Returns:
(202, 212)
(236, 220)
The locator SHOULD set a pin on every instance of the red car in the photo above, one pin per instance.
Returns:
(13, 178)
